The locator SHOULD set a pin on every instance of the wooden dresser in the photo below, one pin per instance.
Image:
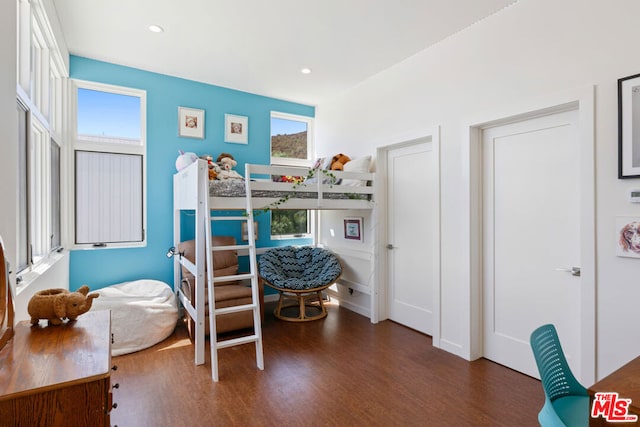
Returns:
(58, 375)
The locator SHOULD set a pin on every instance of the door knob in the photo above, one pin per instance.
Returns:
(390, 246)
(575, 271)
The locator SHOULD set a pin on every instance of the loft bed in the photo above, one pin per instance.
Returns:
(193, 191)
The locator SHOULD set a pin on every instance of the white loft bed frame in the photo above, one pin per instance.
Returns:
(191, 192)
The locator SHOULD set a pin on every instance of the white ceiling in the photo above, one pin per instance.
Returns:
(260, 46)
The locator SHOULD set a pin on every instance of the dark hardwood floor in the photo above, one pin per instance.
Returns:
(339, 371)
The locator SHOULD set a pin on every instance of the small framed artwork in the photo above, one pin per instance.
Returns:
(190, 122)
(236, 129)
(245, 233)
(353, 228)
(628, 236)
(629, 127)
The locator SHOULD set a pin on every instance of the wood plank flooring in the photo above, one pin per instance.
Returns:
(339, 371)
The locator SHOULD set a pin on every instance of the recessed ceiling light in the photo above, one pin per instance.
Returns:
(306, 71)
(156, 29)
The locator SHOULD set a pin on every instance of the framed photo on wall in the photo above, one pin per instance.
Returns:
(190, 122)
(628, 236)
(629, 127)
(353, 228)
(236, 129)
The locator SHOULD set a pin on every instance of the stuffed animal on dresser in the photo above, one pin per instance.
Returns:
(55, 305)
(227, 163)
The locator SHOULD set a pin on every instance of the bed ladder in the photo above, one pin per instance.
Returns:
(256, 337)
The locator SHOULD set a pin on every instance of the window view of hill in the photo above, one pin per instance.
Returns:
(293, 146)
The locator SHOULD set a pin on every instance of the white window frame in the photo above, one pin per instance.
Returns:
(285, 161)
(81, 143)
(23, 259)
(41, 82)
(311, 221)
(55, 206)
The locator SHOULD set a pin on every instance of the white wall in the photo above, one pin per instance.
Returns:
(8, 129)
(356, 282)
(530, 49)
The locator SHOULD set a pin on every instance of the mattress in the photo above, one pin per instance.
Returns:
(236, 188)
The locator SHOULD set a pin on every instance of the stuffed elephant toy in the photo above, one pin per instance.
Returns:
(55, 305)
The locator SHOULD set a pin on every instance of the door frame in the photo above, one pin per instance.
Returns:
(582, 100)
(380, 294)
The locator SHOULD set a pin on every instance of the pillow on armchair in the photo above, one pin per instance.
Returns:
(225, 263)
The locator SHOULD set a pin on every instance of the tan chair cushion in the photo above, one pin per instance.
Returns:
(227, 294)
(225, 263)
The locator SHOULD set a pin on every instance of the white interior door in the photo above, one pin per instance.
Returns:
(413, 234)
(531, 229)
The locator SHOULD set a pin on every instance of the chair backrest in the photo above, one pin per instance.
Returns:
(557, 378)
(6, 303)
(299, 267)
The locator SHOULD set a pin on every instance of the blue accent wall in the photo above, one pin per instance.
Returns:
(102, 267)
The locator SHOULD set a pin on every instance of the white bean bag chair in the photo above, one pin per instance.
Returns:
(143, 313)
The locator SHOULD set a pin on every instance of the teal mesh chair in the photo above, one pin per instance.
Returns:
(566, 400)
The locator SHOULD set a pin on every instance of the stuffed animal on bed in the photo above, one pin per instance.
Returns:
(227, 163)
(338, 161)
(185, 159)
(55, 305)
(214, 168)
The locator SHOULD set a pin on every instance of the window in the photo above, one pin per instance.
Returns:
(39, 190)
(109, 160)
(41, 104)
(109, 117)
(108, 198)
(55, 218)
(291, 139)
(291, 145)
(23, 183)
(290, 223)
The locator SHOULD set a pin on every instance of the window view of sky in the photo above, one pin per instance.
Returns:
(108, 114)
(286, 127)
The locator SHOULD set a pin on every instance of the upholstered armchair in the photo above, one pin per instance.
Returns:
(227, 294)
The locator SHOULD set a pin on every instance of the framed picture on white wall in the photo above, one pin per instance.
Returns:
(629, 127)
(628, 236)
(353, 228)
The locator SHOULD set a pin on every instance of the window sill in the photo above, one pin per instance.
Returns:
(291, 236)
(30, 275)
(92, 247)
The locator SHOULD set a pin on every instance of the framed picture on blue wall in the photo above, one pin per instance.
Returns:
(236, 129)
(190, 122)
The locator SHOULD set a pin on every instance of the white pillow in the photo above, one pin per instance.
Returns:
(320, 163)
(361, 164)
